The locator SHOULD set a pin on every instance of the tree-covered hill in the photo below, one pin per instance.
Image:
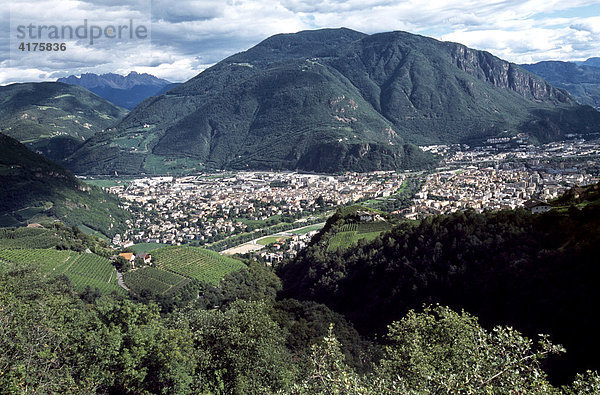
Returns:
(35, 189)
(334, 100)
(238, 336)
(55, 340)
(54, 118)
(535, 272)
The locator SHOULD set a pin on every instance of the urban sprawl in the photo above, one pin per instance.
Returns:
(205, 208)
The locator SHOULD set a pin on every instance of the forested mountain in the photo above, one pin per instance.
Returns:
(124, 91)
(34, 189)
(536, 273)
(53, 118)
(334, 100)
(582, 81)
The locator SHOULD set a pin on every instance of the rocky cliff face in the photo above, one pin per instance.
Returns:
(502, 74)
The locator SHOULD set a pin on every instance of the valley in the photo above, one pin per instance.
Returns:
(325, 212)
(226, 210)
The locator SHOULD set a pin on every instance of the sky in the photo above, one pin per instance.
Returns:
(176, 40)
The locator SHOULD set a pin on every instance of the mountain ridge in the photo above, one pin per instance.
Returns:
(54, 118)
(322, 100)
(124, 91)
(581, 80)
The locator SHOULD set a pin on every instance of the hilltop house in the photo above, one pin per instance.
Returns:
(366, 216)
(537, 206)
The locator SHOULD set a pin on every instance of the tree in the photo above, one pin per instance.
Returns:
(329, 373)
(440, 350)
(239, 351)
(256, 283)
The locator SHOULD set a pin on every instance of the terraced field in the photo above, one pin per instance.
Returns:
(349, 228)
(342, 240)
(349, 234)
(27, 238)
(198, 263)
(81, 269)
(157, 281)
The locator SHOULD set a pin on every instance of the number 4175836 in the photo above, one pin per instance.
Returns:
(41, 47)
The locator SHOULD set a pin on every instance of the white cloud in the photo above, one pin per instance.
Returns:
(189, 35)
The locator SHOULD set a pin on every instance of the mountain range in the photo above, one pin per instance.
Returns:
(581, 80)
(54, 118)
(333, 100)
(594, 62)
(124, 91)
(35, 189)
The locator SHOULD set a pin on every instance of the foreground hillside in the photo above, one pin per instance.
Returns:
(59, 335)
(535, 272)
(54, 118)
(34, 189)
(334, 100)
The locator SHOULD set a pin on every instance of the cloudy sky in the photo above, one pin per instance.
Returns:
(178, 39)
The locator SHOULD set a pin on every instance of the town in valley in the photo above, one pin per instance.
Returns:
(274, 214)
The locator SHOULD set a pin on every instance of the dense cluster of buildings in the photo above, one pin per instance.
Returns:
(176, 210)
(204, 208)
(491, 179)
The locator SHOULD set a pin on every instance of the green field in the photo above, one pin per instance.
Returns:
(81, 269)
(157, 281)
(198, 263)
(270, 240)
(146, 247)
(371, 227)
(350, 234)
(90, 231)
(307, 229)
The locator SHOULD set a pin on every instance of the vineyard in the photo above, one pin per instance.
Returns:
(82, 270)
(349, 228)
(27, 238)
(342, 240)
(349, 234)
(371, 227)
(198, 263)
(157, 281)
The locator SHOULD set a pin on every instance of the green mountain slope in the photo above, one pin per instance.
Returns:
(53, 118)
(581, 81)
(333, 100)
(34, 189)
